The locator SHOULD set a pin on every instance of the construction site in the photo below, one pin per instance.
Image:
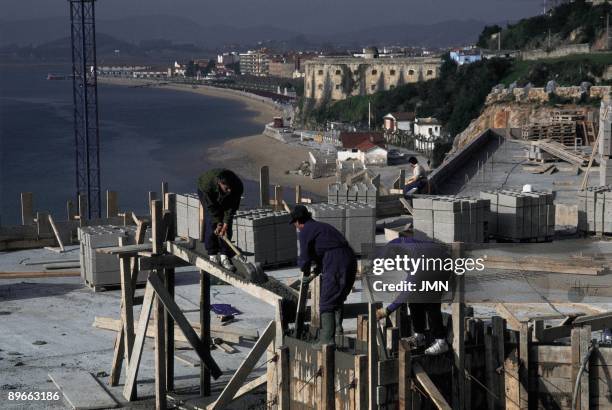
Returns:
(105, 307)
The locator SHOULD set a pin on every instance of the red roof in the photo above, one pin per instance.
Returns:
(351, 140)
(366, 146)
(402, 116)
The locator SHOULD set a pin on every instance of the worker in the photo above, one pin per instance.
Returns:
(220, 192)
(425, 307)
(418, 178)
(323, 246)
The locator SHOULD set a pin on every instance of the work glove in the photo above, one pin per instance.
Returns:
(307, 279)
(382, 313)
(218, 229)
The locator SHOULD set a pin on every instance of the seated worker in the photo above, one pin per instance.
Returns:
(418, 179)
(220, 192)
(425, 307)
(325, 247)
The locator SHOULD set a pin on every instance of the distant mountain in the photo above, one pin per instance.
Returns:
(443, 34)
(137, 29)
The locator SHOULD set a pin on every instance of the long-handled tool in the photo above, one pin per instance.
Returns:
(252, 272)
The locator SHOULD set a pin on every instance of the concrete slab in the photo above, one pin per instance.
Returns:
(81, 390)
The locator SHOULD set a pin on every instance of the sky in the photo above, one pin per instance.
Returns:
(306, 16)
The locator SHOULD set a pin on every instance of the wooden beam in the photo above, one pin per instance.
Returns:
(523, 371)
(264, 186)
(129, 390)
(160, 354)
(204, 264)
(27, 208)
(58, 238)
(127, 309)
(300, 314)
(195, 342)
(245, 368)
(405, 375)
(430, 388)
(511, 319)
(372, 356)
(169, 277)
(157, 229)
(298, 194)
(112, 208)
(204, 329)
(326, 364)
(284, 378)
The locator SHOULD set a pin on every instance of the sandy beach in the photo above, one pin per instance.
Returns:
(246, 155)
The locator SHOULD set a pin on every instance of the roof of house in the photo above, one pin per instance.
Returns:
(366, 146)
(428, 121)
(350, 140)
(402, 116)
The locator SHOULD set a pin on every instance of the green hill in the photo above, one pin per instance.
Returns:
(571, 23)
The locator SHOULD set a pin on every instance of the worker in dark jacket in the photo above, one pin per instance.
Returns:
(425, 307)
(327, 249)
(220, 192)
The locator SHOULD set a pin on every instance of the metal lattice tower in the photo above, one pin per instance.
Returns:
(85, 95)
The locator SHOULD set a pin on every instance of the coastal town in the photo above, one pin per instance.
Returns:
(416, 224)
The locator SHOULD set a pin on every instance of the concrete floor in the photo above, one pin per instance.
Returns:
(46, 323)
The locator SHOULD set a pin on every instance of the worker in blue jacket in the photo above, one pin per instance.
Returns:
(323, 246)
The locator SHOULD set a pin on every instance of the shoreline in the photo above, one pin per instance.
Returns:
(247, 154)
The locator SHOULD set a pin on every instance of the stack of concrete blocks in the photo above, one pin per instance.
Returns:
(355, 220)
(450, 219)
(97, 269)
(338, 193)
(265, 236)
(535, 153)
(595, 210)
(605, 142)
(521, 216)
(188, 216)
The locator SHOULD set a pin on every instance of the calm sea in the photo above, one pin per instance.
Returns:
(147, 135)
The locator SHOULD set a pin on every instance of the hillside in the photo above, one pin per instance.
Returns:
(571, 23)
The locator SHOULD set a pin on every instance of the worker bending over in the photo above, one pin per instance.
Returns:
(327, 249)
(220, 192)
(425, 307)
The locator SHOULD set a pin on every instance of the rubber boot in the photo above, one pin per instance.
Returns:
(328, 329)
(339, 318)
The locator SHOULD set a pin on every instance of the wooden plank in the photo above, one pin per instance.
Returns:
(498, 332)
(315, 294)
(250, 386)
(245, 368)
(404, 377)
(523, 371)
(157, 228)
(27, 275)
(195, 342)
(58, 238)
(127, 309)
(505, 312)
(430, 388)
(264, 186)
(160, 354)
(125, 250)
(361, 382)
(205, 333)
(326, 364)
(284, 378)
(458, 321)
(203, 264)
(129, 390)
(27, 208)
(81, 390)
(300, 314)
(169, 276)
(112, 209)
(372, 355)
(546, 265)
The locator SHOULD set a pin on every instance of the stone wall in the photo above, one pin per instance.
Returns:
(561, 51)
(339, 78)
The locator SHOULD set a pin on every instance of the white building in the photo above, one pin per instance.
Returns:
(228, 58)
(366, 152)
(399, 121)
(429, 129)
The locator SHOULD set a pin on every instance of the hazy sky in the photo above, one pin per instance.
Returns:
(302, 15)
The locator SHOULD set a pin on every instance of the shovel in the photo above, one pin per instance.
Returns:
(252, 272)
